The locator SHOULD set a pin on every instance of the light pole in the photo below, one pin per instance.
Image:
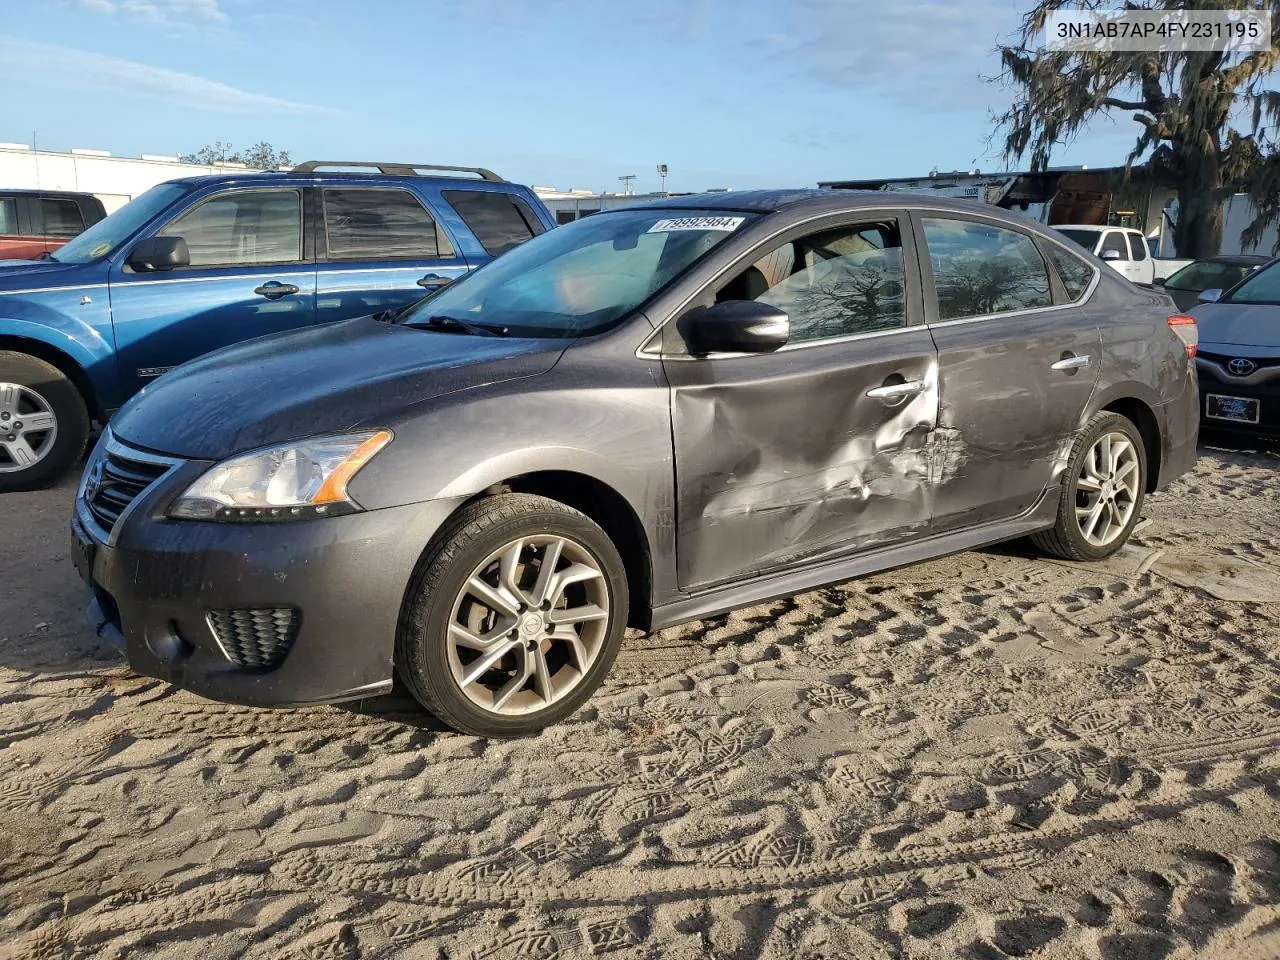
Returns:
(662, 173)
(626, 184)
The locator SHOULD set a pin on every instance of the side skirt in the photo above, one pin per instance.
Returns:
(734, 596)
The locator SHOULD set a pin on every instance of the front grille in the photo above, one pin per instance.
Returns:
(117, 477)
(255, 638)
(1261, 363)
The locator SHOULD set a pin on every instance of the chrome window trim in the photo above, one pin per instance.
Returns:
(790, 347)
(291, 269)
(108, 442)
(77, 286)
(446, 264)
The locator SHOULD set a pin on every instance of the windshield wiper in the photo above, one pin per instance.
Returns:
(441, 322)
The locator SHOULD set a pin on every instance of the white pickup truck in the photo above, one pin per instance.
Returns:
(1124, 249)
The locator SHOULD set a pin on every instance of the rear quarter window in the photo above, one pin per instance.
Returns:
(1075, 274)
(61, 218)
(499, 221)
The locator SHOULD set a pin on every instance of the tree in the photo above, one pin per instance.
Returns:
(261, 156)
(1186, 104)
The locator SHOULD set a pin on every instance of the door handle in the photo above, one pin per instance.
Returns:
(897, 391)
(435, 280)
(274, 290)
(1070, 363)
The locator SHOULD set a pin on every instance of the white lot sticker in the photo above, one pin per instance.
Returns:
(697, 223)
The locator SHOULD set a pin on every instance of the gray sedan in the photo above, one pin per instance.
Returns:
(647, 416)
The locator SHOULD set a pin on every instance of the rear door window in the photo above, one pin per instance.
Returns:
(61, 218)
(8, 215)
(242, 227)
(500, 221)
(368, 224)
(1138, 244)
(1114, 240)
(980, 269)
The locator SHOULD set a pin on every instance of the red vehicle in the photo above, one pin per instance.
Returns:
(36, 222)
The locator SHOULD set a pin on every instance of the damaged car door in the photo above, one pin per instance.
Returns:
(1017, 363)
(819, 448)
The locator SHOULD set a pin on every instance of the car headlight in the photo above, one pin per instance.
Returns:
(293, 481)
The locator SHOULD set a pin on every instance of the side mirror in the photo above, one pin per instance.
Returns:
(1213, 295)
(160, 253)
(735, 326)
(1110, 254)
(1158, 281)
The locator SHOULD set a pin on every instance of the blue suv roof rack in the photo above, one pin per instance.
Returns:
(397, 169)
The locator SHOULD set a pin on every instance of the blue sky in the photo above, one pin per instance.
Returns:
(736, 93)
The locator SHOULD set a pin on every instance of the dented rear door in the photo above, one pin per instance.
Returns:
(1016, 366)
(784, 459)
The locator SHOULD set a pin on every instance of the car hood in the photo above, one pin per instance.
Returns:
(1254, 325)
(327, 379)
(15, 273)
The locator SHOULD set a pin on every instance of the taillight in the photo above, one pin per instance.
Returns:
(1185, 327)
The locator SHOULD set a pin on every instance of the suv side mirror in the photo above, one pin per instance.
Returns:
(1110, 254)
(1212, 295)
(735, 326)
(160, 253)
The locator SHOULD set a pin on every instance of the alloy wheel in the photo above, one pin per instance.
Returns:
(1107, 489)
(528, 624)
(28, 427)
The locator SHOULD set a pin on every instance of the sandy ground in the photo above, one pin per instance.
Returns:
(989, 755)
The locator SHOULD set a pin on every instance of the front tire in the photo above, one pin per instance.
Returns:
(43, 422)
(514, 616)
(1102, 491)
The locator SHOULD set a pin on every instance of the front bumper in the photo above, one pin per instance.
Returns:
(153, 587)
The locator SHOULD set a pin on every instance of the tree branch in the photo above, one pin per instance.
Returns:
(1126, 104)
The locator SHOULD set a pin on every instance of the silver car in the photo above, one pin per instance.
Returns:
(1239, 355)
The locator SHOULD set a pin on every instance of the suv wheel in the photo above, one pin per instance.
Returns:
(1102, 492)
(514, 617)
(43, 422)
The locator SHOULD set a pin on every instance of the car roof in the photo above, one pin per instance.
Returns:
(288, 176)
(1236, 258)
(820, 201)
(1090, 226)
(25, 192)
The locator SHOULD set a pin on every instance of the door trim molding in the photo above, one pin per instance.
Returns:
(1040, 516)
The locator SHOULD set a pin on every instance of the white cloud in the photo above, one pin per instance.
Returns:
(924, 50)
(161, 11)
(22, 59)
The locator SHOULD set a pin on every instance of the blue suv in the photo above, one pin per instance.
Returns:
(203, 262)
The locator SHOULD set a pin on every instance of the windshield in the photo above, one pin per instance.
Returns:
(1085, 238)
(105, 235)
(1207, 275)
(584, 277)
(1262, 287)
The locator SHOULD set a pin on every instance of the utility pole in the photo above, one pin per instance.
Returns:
(662, 173)
(626, 184)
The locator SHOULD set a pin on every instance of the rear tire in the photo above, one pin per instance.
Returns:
(43, 422)
(494, 644)
(1102, 491)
